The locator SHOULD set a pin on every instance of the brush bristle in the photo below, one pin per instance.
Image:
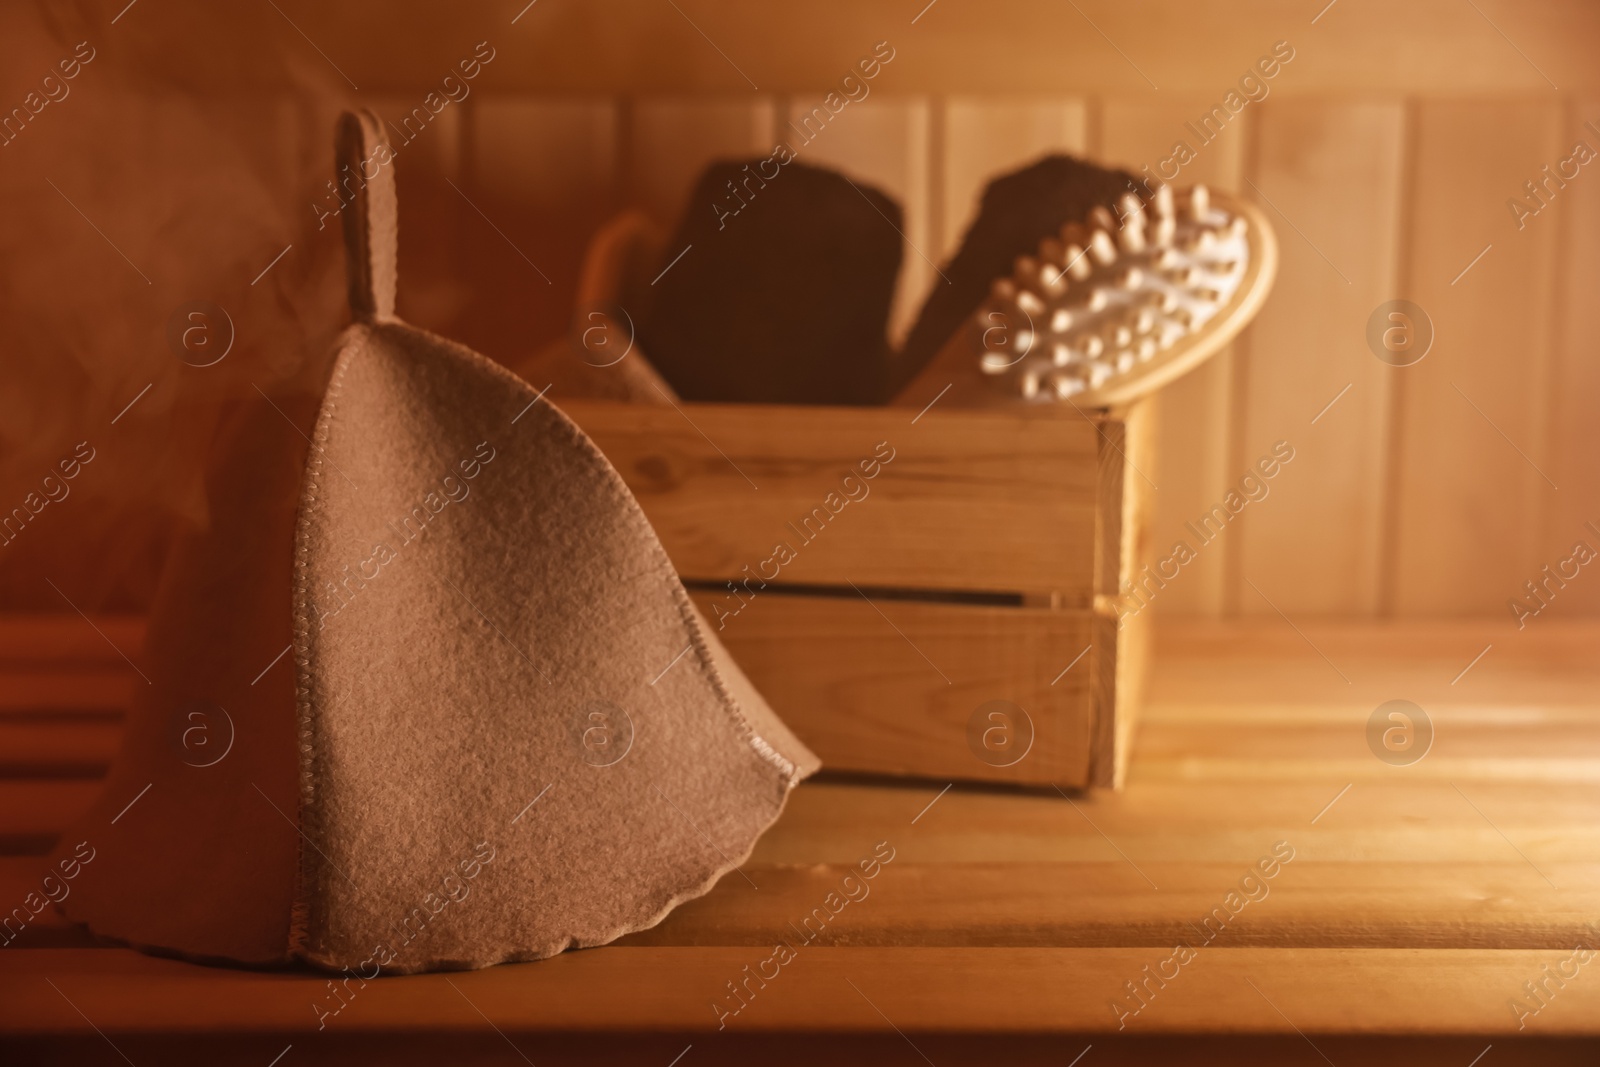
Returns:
(1112, 293)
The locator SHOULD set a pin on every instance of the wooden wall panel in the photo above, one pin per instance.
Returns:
(883, 141)
(1468, 482)
(586, 108)
(1573, 444)
(1193, 455)
(545, 152)
(985, 136)
(670, 141)
(541, 175)
(646, 47)
(1332, 174)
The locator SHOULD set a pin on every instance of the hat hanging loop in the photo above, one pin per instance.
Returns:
(364, 171)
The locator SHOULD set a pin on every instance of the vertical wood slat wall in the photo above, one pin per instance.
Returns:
(1434, 489)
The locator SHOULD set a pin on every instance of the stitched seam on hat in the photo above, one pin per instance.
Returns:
(680, 596)
(664, 570)
(709, 668)
(663, 565)
(308, 870)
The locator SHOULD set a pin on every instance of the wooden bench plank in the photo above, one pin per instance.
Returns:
(34, 811)
(914, 990)
(67, 638)
(1309, 904)
(1418, 901)
(1158, 821)
(58, 748)
(1154, 821)
(76, 688)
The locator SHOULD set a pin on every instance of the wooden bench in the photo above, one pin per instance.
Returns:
(1418, 901)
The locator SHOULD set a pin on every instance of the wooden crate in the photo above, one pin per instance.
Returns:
(982, 560)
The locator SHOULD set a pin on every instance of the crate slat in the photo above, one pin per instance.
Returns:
(890, 686)
(970, 501)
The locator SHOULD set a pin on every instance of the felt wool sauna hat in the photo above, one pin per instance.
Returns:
(427, 692)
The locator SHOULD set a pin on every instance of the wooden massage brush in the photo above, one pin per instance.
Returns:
(1112, 308)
